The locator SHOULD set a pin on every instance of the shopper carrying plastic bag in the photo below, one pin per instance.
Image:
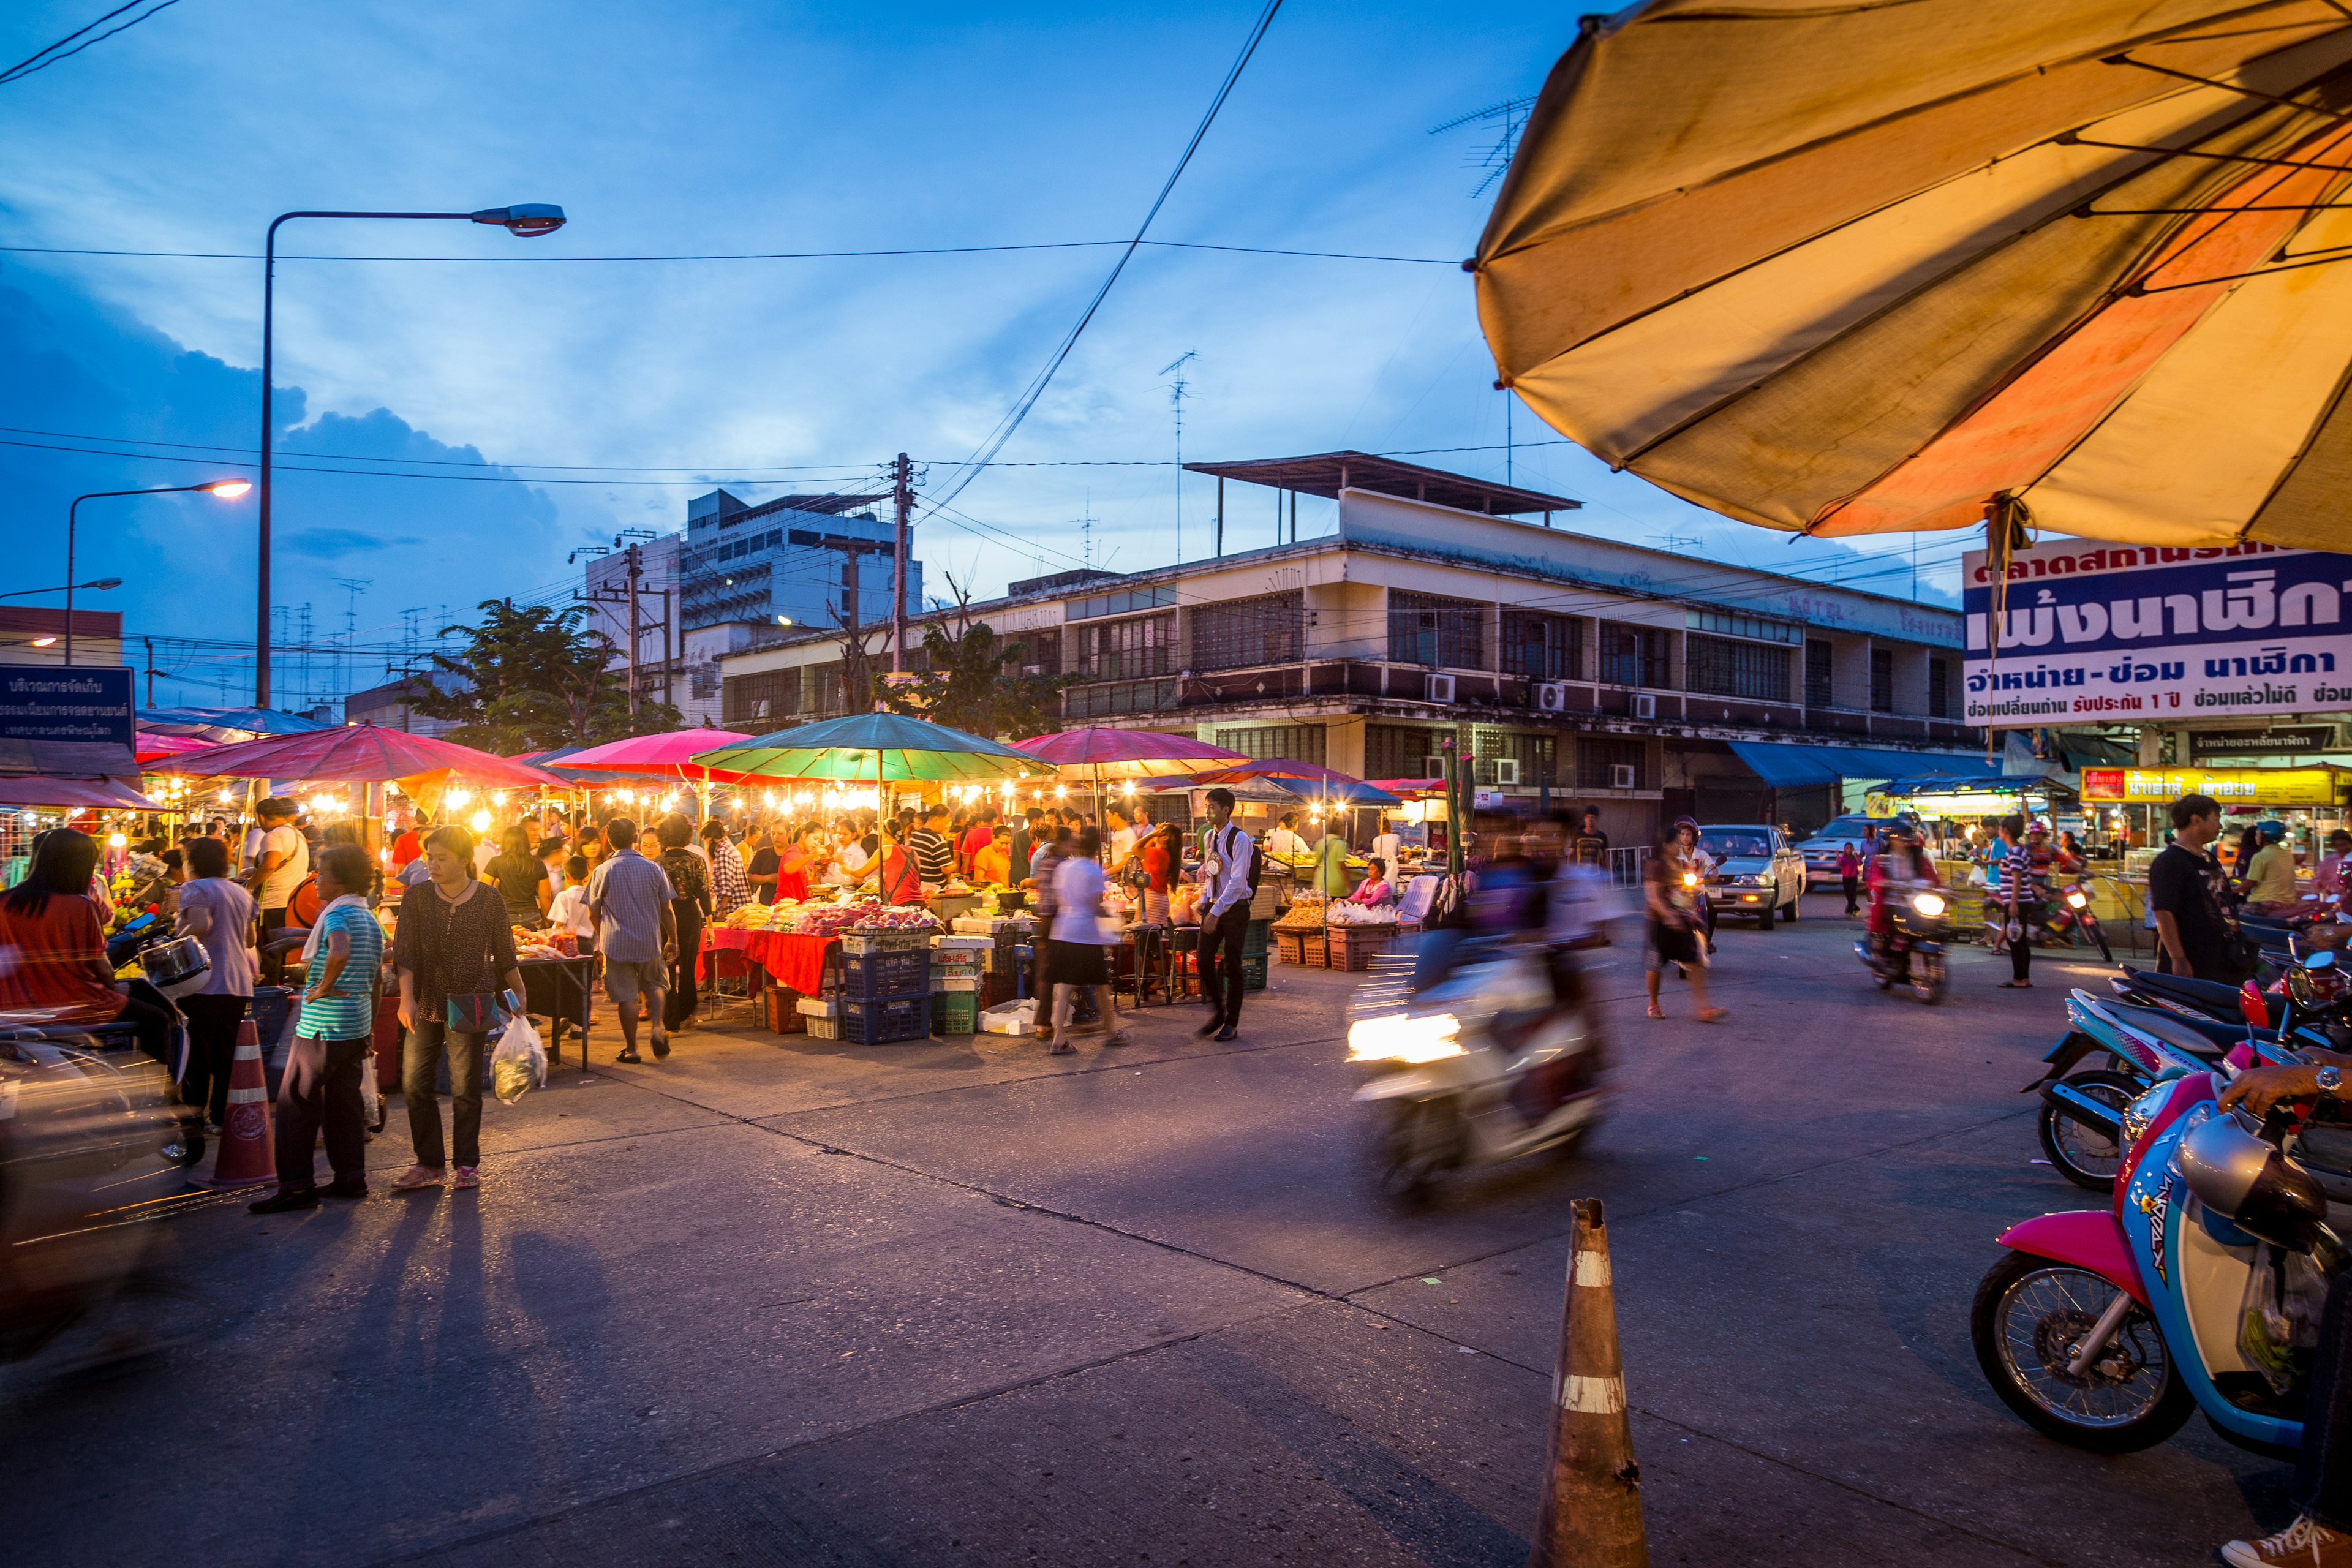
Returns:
(519, 1064)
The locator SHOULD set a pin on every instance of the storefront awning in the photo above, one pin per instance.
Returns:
(1785, 764)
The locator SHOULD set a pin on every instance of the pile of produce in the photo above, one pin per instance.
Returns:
(834, 919)
(1342, 913)
(1306, 913)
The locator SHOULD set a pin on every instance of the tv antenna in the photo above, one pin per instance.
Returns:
(1176, 391)
(1511, 115)
(1677, 541)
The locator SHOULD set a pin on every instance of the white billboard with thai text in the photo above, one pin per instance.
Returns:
(2121, 633)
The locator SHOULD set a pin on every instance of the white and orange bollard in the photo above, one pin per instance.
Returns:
(249, 1155)
(1591, 1516)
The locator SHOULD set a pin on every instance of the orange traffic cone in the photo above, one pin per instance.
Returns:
(1591, 1515)
(248, 1153)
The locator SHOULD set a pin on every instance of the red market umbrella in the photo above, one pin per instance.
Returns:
(358, 753)
(668, 755)
(1126, 753)
(150, 747)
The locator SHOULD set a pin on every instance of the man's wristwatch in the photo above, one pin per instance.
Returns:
(2329, 1079)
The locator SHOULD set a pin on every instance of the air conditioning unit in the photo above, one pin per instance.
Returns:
(1644, 705)
(1507, 770)
(1441, 688)
(1551, 697)
(1433, 767)
(1621, 775)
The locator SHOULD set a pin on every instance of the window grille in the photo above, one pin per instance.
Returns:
(1425, 629)
(1817, 662)
(1118, 697)
(1123, 650)
(1881, 680)
(1398, 751)
(1729, 668)
(1542, 647)
(1635, 656)
(1939, 689)
(1266, 743)
(1241, 632)
(1598, 759)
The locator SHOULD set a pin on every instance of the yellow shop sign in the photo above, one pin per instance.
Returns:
(2231, 787)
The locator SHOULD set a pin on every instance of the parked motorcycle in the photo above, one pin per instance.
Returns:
(1913, 954)
(1482, 1066)
(2199, 1290)
(2082, 1111)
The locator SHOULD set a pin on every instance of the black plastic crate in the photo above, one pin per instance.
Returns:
(1254, 940)
(886, 1020)
(1253, 973)
(872, 974)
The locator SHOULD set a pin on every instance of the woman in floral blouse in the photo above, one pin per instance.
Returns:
(690, 880)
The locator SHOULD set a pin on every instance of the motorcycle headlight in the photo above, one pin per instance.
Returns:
(1929, 904)
(2074, 896)
(2140, 1112)
(1690, 878)
(1401, 1037)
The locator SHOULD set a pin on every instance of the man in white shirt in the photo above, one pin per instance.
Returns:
(1284, 839)
(282, 860)
(1226, 852)
(1387, 845)
(1122, 841)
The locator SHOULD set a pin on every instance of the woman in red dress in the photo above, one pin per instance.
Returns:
(793, 858)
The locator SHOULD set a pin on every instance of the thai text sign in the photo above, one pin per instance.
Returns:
(2239, 788)
(52, 702)
(2104, 634)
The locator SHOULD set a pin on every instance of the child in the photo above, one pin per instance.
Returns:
(568, 909)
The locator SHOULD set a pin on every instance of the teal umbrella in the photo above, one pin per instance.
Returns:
(874, 747)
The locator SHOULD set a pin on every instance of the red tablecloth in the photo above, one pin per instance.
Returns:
(790, 958)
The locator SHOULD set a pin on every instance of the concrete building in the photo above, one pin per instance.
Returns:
(388, 706)
(36, 635)
(1572, 669)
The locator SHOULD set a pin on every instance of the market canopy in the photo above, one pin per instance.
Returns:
(97, 794)
(1864, 268)
(668, 755)
(358, 753)
(1310, 780)
(872, 748)
(1106, 753)
(1784, 764)
(227, 723)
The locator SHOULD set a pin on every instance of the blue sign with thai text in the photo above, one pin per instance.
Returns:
(52, 702)
(2116, 633)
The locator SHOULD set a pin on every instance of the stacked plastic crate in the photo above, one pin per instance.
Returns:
(957, 965)
(877, 992)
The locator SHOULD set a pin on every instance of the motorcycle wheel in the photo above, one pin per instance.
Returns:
(2084, 1156)
(1417, 1144)
(1929, 985)
(2099, 935)
(2030, 1314)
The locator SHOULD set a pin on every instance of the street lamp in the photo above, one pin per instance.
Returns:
(526, 220)
(227, 490)
(99, 583)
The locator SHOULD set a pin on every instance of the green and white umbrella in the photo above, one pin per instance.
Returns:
(874, 749)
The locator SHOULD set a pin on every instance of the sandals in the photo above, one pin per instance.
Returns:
(2017, 986)
(414, 1177)
(631, 1057)
(1714, 1015)
(1656, 1011)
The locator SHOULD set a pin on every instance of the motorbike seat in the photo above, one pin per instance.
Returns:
(2213, 995)
(2169, 1027)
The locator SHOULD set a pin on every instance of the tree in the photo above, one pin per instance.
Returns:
(973, 681)
(533, 681)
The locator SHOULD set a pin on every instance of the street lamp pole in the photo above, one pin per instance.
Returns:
(227, 490)
(527, 220)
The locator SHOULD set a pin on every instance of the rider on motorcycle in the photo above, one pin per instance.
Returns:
(1896, 872)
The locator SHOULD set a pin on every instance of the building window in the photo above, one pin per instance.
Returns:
(1120, 604)
(1447, 634)
(821, 690)
(1269, 742)
(1940, 689)
(1817, 674)
(1881, 680)
(1040, 652)
(1123, 650)
(1728, 668)
(1241, 633)
(768, 701)
(1635, 656)
(1733, 625)
(1531, 755)
(1118, 697)
(1598, 760)
(1400, 752)
(1542, 647)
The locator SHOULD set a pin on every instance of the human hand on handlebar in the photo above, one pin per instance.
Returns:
(2259, 1089)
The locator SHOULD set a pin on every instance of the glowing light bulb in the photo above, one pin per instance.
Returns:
(480, 821)
(116, 841)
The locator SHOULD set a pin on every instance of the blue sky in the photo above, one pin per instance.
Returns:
(732, 128)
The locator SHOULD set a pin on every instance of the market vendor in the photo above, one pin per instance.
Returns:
(896, 876)
(1374, 889)
(992, 861)
(1331, 864)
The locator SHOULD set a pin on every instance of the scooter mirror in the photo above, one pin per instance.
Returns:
(2251, 1004)
(2323, 959)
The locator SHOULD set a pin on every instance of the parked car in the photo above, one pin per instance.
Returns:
(1820, 851)
(1757, 872)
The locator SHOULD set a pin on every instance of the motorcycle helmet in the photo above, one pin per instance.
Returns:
(2272, 830)
(2247, 1181)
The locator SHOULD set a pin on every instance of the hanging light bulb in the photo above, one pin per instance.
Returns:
(480, 821)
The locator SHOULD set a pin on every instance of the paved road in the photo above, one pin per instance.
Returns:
(784, 1301)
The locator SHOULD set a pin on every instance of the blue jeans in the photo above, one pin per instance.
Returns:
(420, 1063)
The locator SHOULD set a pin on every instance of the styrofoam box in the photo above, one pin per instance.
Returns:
(955, 982)
(815, 1008)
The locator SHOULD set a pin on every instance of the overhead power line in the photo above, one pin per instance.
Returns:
(42, 59)
(972, 467)
(541, 260)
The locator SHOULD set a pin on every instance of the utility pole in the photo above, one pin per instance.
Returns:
(636, 571)
(149, 643)
(902, 492)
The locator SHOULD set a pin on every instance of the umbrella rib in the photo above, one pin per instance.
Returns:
(2069, 139)
(2309, 260)
(2126, 60)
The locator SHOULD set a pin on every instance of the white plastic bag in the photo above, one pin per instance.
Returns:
(519, 1064)
(371, 1093)
(1012, 1018)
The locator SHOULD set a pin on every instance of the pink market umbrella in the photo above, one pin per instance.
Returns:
(357, 754)
(668, 755)
(149, 747)
(1128, 754)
